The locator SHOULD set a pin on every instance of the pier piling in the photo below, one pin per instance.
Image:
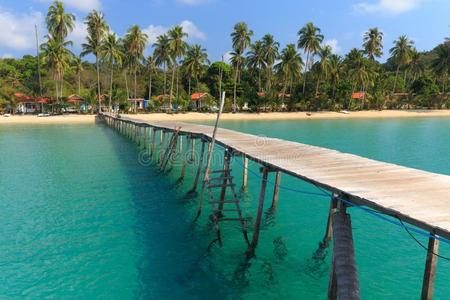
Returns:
(430, 269)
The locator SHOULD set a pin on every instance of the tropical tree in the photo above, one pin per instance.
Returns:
(309, 39)
(323, 65)
(135, 41)
(416, 65)
(96, 29)
(401, 54)
(151, 66)
(255, 59)
(335, 63)
(111, 53)
(59, 23)
(177, 46)
(373, 43)
(57, 58)
(289, 67)
(78, 68)
(195, 60)
(441, 64)
(162, 57)
(270, 51)
(241, 38)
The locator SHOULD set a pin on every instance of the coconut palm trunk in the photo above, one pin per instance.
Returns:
(135, 89)
(306, 69)
(235, 88)
(396, 76)
(150, 86)
(111, 88)
(98, 84)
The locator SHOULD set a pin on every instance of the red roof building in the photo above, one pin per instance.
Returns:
(358, 95)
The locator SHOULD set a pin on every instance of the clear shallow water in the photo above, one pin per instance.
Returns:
(80, 217)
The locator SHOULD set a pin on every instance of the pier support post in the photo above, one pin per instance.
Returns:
(184, 158)
(430, 269)
(329, 231)
(192, 158)
(245, 174)
(262, 194)
(276, 189)
(161, 146)
(199, 169)
(344, 281)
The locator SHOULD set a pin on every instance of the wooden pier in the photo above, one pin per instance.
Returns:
(414, 196)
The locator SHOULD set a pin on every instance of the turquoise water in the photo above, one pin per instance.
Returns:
(81, 216)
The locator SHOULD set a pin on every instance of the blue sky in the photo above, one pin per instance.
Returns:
(209, 22)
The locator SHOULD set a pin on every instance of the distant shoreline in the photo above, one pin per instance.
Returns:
(194, 116)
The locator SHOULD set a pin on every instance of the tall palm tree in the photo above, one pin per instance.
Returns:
(309, 39)
(289, 67)
(58, 59)
(59, 23)
(135, 41)
(195, 60)
(324, 65)
(78, 68)
(255, 59)
(178, 46)
(162, 57)
(97, 29)
(373, 43)
(335, 71)
(441, 64)
(416, 65)
(401, 54)
(270, 50)
(151, 65)
(241, 38)
(110, 51)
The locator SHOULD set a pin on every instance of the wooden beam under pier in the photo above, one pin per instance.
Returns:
(430, 268)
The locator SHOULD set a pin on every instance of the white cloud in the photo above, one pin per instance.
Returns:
(192, 30)
(387, 6)
(81, 5)
(333, 43)
(78, 35)
(153, 31)
(17, 30)
(6, 55)
(192, 2)
(227, 57)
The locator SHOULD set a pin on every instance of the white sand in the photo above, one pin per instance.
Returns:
(193, 116)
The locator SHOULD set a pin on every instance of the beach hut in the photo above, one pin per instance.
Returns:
(358, 95)
(138, 103)
(25, 104)
(162, 101)
(199, 100)
(74, 102)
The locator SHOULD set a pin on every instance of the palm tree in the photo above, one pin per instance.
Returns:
(151, 63)
(401, 54)
(162, 57)
(416, 65)
(441, 64)
(270, 50)
(324, 65)
(194, 62)
(335, 71)
(289, 67)
(58, 59)
(135, 41)
(110, 51)
(59, 23)
(78, 67)
(96, 28)
(241, 38)
(309, 39)
(255, 59)
(373, 43)
(177, 46)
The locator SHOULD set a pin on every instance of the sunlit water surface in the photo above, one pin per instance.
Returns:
(82, 215)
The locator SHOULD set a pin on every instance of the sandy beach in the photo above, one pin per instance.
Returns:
(194, 116)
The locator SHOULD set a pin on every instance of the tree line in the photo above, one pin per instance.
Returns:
(259, 73)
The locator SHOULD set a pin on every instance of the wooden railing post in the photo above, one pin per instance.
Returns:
(245, 174)
(199, 168)
(276, 189)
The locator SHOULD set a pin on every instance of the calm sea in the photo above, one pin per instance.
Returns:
(83, 215)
